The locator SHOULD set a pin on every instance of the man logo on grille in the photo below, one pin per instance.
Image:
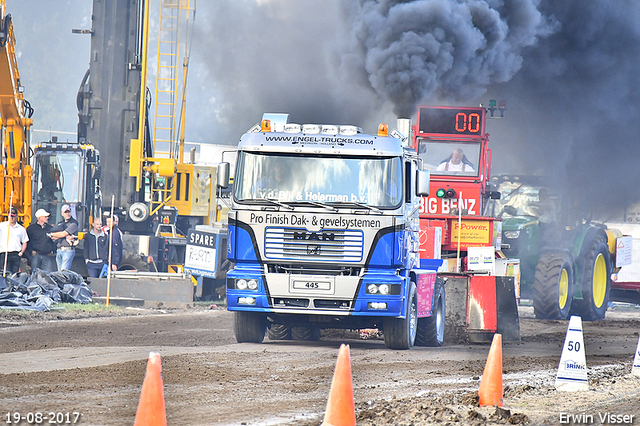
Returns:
(313, 250)
(314, 236)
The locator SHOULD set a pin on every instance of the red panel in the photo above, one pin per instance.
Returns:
(634, 286)
(430, 241)
(471, 199)
(482, 311)
(426, 283)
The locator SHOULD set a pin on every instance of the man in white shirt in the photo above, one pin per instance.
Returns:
(13, 243)
(456, 163)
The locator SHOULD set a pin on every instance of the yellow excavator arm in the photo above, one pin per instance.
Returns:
(15, 121)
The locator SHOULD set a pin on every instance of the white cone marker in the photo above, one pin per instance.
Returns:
(635, 370)
(572, 371)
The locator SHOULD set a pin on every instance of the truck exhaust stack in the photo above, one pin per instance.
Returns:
(404, 127)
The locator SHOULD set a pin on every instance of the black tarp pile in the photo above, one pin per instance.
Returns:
(41, 290)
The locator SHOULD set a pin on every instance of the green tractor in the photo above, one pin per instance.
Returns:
(565, 263)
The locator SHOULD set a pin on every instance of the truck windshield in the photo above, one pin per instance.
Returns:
(370, 181)
(449, 157)
(58, 181)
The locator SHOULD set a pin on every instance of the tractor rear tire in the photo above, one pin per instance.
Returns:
(249, 327)
(305, 333)
(431, 329)
(596, 283)
(400, 333)
(553, 286)
(279, 332)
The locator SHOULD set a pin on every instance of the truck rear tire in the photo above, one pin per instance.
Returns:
(305, 333)
(279, 332)
(553, 286)
(249, 327)
(431, 329)
(596, 283)
(400, 333)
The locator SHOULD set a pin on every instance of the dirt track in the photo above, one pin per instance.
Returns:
(57, 362)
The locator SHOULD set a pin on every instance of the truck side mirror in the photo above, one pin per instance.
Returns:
(223, 175)
(423, 181)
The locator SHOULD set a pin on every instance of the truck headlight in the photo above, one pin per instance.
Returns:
(385, 289)
(252, 284)
(512, 235)
(241, 284)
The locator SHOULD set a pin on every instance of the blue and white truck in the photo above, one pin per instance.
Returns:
(324, 233)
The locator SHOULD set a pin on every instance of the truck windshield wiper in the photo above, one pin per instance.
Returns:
(266, 201)
(353, 203)
(313, 203)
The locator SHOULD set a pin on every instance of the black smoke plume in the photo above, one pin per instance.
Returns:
(569, 71)
(411, 52)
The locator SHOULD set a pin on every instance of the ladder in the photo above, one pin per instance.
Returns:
(173, 27)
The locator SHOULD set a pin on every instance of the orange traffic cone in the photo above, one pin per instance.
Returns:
(490, 391)
(341, 410)
(151, 410)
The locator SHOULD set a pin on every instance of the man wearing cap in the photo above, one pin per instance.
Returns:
(40, 246)
(13, 243)
(65, 234)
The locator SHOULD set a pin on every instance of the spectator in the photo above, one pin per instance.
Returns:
(40, 246)
(116, 241)
(96, 249)
(13, 243)
(65, 233)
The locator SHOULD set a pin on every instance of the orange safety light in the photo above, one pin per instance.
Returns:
(383, 130)
(266, 125)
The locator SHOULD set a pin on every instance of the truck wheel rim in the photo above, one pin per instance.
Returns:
(599, 281)
(563, 289)
(440, 318)
(413, 320)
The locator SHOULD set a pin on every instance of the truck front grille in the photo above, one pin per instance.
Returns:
(301, 244)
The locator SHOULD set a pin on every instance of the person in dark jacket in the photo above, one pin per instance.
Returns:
(96, 249)
(116, 241)
(40, 246)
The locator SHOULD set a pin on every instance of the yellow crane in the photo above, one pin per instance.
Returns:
(15, 122)
(173, 183)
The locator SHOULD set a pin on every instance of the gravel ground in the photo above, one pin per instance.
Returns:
(93, 363)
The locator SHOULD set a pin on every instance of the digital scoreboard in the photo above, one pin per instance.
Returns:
(451, 121)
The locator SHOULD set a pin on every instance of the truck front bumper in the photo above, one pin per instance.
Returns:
(316, 294)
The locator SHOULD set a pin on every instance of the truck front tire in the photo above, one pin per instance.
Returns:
(249, 327)
(400, 333)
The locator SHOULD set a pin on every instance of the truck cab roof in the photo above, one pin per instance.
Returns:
(359, 144)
